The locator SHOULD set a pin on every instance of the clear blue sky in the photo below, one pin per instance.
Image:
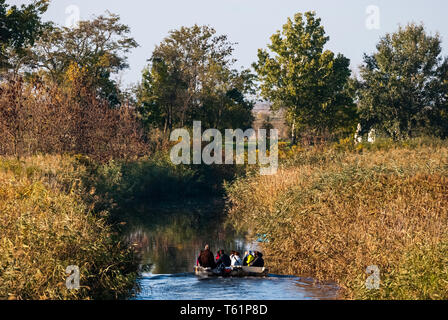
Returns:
(250, 23)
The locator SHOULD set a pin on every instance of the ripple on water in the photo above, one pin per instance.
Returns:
(170, 242)
(186, 286)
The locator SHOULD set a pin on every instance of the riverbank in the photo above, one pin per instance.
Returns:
(170, 239)
(47, 224)
(59, 211)
(124, 186)
(331, 212)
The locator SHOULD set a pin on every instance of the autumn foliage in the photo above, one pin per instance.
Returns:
(41, 117)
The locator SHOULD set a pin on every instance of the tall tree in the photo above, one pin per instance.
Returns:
(190, 77)
(296, 73)
(404, 84)
(19, 28)
(99, 46)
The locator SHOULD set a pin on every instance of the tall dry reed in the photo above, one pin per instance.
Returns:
(46, 225)
(330, 215)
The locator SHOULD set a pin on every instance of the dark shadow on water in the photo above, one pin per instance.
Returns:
(169, 240)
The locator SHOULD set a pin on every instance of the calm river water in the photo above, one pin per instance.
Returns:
(170, 240)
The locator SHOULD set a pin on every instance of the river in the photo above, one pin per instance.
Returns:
(169, 241)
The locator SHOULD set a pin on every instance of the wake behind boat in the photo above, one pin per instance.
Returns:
(238, 272)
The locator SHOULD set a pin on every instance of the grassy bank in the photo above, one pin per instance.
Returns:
(58, 211)
(47, 225)
(331, 212)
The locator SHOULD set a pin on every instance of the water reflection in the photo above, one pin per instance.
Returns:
(170, 240)
(188, 287)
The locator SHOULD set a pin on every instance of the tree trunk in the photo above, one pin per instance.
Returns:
(293, 132)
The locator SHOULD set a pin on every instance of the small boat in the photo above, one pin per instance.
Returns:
(231, 272)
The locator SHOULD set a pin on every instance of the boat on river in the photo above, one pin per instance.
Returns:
(231, 272)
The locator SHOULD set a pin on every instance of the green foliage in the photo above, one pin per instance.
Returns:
(312, 84)
(143, 182)
(19, 28)
(404, 86)
(153, 181)
(96, 46)
(190, 77)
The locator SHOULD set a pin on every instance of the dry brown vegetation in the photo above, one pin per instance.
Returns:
(46, 225)
(47, 220)
(41, 117)
(331, 214)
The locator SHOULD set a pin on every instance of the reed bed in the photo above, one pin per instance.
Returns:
(331, 213)
(46, 225)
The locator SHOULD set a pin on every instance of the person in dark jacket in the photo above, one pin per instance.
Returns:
(248, 258)
(224, 259)
(258, 262)
(206, 259)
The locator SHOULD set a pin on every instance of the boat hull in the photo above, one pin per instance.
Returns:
(237, 272)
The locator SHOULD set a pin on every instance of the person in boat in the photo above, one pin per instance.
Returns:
(259, 261)
(248, 258)
(224, 260)
(236, 260)
(206, 259)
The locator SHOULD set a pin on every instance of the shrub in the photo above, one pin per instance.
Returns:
(41, 117)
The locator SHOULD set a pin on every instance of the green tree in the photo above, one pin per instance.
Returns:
(296, 73)
(190, 77)
(404, 85)
(19, 28)
(99, 46)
